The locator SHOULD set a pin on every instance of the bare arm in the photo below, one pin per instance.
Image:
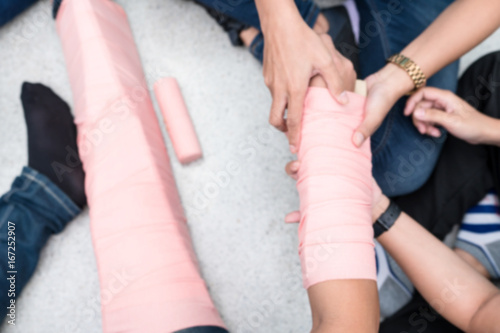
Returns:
(344, 306)
(451, 286)
(293, 53)
(463, 25)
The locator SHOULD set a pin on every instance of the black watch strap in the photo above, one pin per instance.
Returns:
(386, 220)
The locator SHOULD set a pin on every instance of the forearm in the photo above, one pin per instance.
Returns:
(272, 13)
(463, 25)
(491, 134)
(344, 306)
(452, 287)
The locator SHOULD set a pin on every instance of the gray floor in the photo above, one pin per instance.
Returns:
(248, 255)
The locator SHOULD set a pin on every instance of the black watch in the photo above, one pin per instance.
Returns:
(387, 219)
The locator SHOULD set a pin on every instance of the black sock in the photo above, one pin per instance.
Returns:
(55, 8)
(52, 148)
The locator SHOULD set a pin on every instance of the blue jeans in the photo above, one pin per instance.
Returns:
(11, 8)
(32, 211)
(245, 12)
(403, 159)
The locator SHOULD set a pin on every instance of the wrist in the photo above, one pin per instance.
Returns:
(274, 14)
(491, 132)
(397, 78)
(380, 207)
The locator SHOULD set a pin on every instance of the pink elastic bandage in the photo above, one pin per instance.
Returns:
(335, 189)
(147, 268)
(177, 121)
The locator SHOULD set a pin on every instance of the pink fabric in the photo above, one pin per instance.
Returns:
(335, 189)
(176, 117)
(148, 271)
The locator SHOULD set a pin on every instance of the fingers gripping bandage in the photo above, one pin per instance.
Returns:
(335, 190)
(147, 267)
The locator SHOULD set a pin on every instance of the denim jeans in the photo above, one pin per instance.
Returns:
(403, 159)
(11, 8)
(32, 211)
(245, 12)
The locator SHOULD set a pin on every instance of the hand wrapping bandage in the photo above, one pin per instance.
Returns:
(335, 190)
(147, 267)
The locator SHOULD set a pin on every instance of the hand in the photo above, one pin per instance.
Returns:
(293, 53)
(384, 87)
(379, 204)
(432, 107)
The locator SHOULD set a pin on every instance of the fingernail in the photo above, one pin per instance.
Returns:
(420, 113)
(343, 98)
(293, 149)
(294, 167)
(358, 139)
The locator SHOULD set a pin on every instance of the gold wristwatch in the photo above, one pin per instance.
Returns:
(411, 68)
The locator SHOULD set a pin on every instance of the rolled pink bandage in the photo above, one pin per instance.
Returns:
(177, 120)
(335, 189)
(147, 267)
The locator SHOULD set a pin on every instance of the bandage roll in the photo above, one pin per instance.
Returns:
(335, 190)
(177, 120)
(148, 272)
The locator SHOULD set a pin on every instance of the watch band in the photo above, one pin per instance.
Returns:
(415, 72)
(387, 219)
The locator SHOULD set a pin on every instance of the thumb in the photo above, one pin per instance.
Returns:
(369, 125)
(378, 103)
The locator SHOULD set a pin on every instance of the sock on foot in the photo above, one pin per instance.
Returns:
(52, 148)
(479, 234)
(394, 288)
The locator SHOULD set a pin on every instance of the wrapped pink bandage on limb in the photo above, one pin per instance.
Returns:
(335, 190)
(177, 120)
(148, 271)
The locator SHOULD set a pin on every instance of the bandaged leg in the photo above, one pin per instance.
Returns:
(148, 272)
(335, 189)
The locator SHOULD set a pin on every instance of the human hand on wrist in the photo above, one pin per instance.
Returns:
(384, 87)
(293, 54)
(433, 107)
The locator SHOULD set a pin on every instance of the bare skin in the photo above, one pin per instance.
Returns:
(293, 54)
(451, 285)
(444, 41)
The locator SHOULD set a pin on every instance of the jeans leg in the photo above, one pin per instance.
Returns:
(464, 173)
(11, 8)
(30, 213)
(245, 12)
(400, 164)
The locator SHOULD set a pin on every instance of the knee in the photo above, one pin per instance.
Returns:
(395, 183)
(408, 171)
